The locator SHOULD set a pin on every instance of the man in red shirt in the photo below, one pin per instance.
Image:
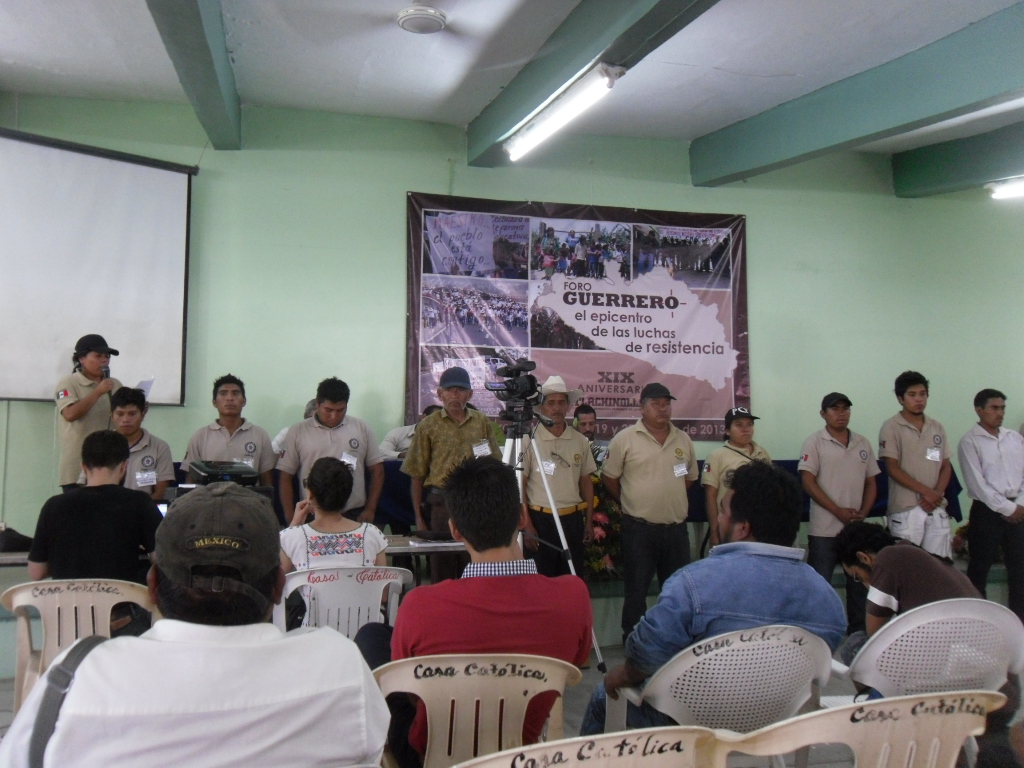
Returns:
(499, 605)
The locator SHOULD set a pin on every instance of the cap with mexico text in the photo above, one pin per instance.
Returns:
(93, 342)
(221, 524)
(655, 390)
(455, 377)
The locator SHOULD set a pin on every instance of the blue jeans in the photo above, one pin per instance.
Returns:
(644, 716)
(821, 556)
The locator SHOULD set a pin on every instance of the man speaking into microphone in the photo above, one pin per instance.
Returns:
(568, 463)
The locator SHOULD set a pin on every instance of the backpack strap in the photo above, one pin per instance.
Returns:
(58, 683)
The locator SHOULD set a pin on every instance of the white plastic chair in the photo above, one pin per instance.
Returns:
(741, 680)
(924, 731)
(476, 703)
(68, 609)
(675, 746)
(345, 599)
(950, 645)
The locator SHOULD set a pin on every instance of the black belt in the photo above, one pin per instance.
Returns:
(634, 518)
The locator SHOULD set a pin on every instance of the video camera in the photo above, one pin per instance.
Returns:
(519, 392)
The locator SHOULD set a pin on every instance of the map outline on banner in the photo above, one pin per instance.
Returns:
(609, 298)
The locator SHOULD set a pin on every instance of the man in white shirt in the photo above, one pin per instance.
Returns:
(395, 444)
(992, 462)
(212, 683)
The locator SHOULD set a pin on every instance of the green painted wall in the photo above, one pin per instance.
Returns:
(298, 269)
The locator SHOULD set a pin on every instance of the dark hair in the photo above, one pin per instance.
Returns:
(981, 399)
(861, 537)
(104, 449)
(204, 606)
(228, 379)
(332, 390)
(584, 408)
(909, 379)
(768, 499)
(432, 409)
(126, 397)
(483, 499)
(330, 483)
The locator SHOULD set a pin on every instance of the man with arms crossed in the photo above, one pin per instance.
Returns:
(332, 431)
(568, 463)
(649, 468)
(837, 468)
(500, 605)
(754, 577)
(992, 462)
(916, 454)
(231, 437)
(442, 441)
(213, 682)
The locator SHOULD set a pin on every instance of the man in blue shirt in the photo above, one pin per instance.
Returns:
(753, 578)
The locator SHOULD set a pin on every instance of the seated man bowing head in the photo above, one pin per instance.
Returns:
(213, 683)
(499, 605)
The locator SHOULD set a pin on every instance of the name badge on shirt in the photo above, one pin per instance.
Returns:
(549, 467)
(142, 479)
(933, 454)
(680, 469)
(481, 449)
(351, 460)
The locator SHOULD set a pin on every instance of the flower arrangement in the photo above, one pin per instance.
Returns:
(959, 543)
(603, 555)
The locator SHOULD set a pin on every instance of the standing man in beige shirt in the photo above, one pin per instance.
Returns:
(650, 467)
(567, 462)
(916, 454)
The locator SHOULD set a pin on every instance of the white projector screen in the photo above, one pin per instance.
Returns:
(91, 241)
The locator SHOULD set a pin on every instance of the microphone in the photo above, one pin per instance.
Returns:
(106, 371)
(544, 420)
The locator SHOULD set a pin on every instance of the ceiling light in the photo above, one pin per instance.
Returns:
(421, 20)
(572, 102)
(1008, 189)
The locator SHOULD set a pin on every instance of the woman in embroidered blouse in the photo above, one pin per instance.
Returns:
(331, 539)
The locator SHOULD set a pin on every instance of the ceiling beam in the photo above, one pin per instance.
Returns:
(981, 65)
(959, 164)
(193, 34)
(611, 31)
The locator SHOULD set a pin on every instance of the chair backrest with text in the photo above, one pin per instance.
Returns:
(741, 680)
(68, 609)
(345, 599)
(476, 703)
(677, 746)
(904, 732)
(950, 645)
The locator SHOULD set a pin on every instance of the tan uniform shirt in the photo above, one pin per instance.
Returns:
(439, 445)
(652, 476)
(722, 463)
(840, 471)
(919, 453)
(72, 434)
(250, 445)
(149, 463)
(567, 458)
(352, 441)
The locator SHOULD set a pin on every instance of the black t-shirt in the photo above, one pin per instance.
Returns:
(96, 533)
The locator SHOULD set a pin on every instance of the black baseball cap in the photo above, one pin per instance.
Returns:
(832, 398)
(738, 413)
(655, 390)
(93, 342)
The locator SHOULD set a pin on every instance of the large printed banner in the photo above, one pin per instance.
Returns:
(610, 299)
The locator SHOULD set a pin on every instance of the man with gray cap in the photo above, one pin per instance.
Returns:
(837, 468)
(442, 441)
(212, 683)
(650, 467)
(567, 462)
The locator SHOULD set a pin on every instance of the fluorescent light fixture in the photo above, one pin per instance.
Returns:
(570, 104)
(1008, 189)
